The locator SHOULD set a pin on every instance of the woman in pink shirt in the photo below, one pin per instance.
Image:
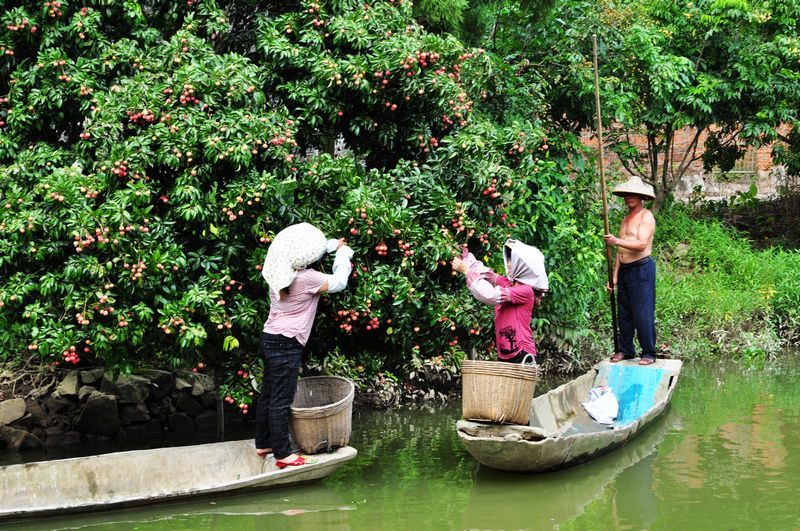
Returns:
(513, 296)
(294, 293)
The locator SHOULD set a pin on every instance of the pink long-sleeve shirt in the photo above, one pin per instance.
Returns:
(294, 315)
(513, 309)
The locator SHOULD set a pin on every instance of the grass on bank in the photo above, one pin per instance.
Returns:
(717, 295)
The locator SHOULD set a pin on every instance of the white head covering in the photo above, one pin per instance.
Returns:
(294, 248)
(525, 264)
(634, 185)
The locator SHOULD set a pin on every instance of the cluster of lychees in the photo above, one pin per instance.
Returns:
(142, 117)
(54, 8)
(120, 168)
(71, 355)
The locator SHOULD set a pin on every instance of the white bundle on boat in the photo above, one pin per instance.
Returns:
(602, 405)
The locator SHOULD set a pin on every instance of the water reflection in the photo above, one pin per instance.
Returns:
(759, 439)
(541, 501)
(411, 472)
(734, 463)
(306, 507)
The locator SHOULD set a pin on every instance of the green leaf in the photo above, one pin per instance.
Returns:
(230, 343)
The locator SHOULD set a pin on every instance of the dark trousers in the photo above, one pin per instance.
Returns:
(282, 357)
(636, 297)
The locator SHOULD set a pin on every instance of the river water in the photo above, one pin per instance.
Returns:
(726, 455)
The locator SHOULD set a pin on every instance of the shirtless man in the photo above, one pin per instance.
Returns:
(635, 273)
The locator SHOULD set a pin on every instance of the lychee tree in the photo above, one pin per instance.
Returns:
(145, 170)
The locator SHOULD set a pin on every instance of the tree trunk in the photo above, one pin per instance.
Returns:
(664, 186)
(329, 144)
(653, 177)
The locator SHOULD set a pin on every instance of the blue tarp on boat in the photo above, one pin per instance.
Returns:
(635, 388)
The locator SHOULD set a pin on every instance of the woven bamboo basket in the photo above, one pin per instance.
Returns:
(321, 415)
(497, 391)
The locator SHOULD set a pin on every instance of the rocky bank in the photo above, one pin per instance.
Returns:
(92, 407)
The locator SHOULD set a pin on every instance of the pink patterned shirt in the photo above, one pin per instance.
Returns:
(513, 309)
(294, 315)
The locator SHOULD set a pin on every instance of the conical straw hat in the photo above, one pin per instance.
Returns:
(634, 185)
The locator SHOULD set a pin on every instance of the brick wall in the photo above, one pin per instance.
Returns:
(755, 167)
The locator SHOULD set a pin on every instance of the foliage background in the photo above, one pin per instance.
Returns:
(150, 150)
(146, 166)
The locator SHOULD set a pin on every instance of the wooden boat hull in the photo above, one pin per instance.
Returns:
(149, 476)
(561, 434)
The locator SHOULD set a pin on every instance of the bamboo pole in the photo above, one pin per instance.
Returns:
(609, 260)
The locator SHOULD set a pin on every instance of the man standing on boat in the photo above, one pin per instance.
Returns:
(635, 273)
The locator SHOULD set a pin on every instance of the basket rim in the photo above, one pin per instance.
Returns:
(335, 405)
(493, 363)
(522, 372)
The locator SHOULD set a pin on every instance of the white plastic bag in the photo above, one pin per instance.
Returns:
(602, 405)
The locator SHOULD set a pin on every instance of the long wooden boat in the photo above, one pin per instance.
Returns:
(141, 477)
(561, 434)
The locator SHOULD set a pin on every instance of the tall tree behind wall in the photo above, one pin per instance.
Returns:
(725, 68)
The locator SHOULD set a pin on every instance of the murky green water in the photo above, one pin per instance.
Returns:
(725, 456)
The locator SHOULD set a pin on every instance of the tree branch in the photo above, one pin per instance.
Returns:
(493, 34)
(683, 166)
(635, 170)
(639, 168)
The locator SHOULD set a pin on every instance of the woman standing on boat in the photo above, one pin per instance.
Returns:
(294, 292)
(513, 296)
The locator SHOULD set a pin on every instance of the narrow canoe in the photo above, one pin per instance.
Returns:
(561, 434)
(142, 477)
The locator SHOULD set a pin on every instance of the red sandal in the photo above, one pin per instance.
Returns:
(297, 462)
(263, 452)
